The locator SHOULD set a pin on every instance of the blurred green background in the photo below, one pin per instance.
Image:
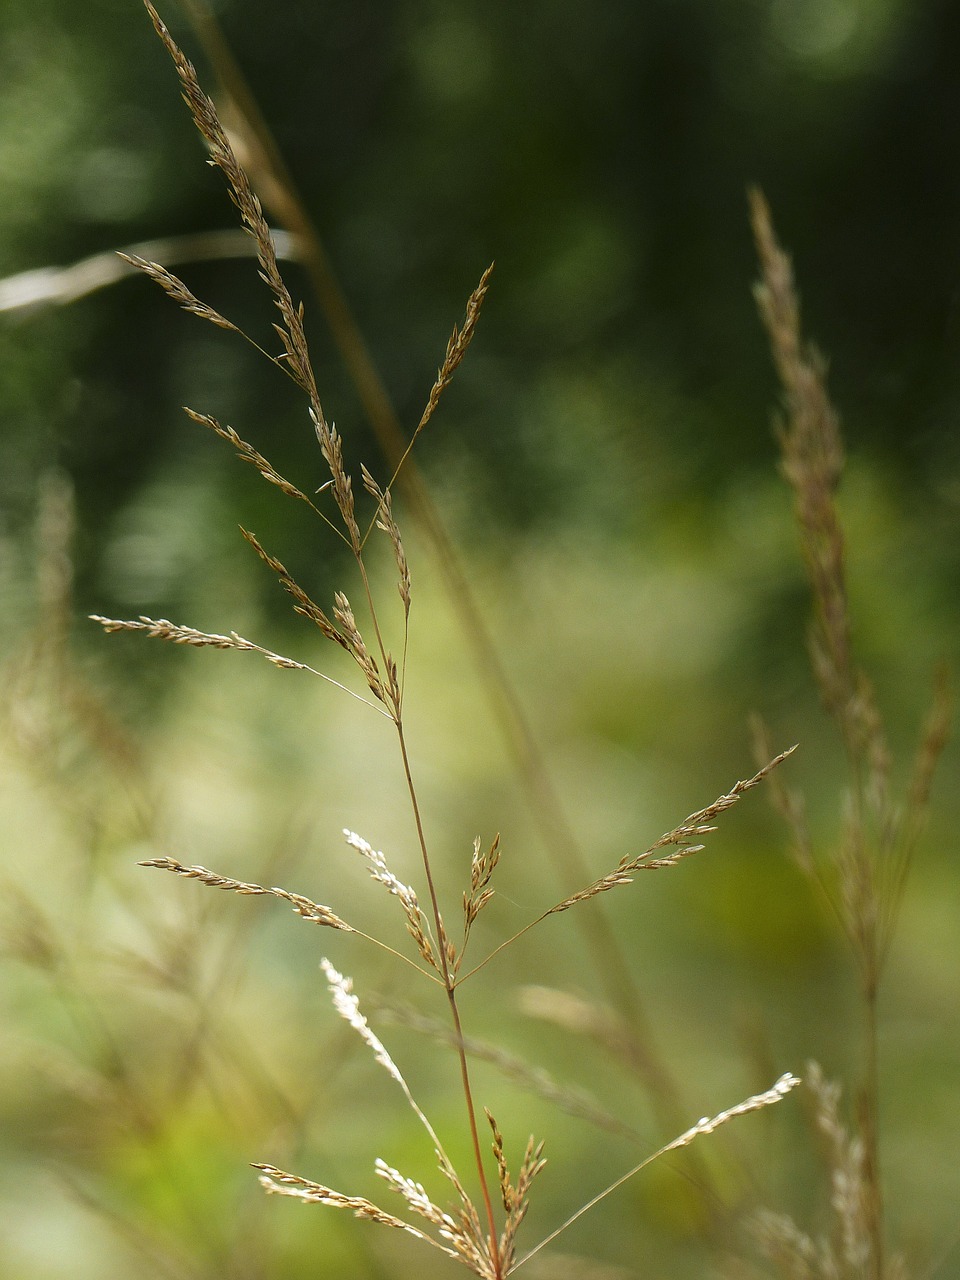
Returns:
(605, 466)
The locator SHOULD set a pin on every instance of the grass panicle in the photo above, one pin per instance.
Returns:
(471, 1230)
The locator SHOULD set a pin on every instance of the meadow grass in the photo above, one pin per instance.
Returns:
(473, 1230)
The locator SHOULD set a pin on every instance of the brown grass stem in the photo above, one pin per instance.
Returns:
(449, 984)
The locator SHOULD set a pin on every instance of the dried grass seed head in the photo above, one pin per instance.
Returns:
(417, 925)
(304, 907)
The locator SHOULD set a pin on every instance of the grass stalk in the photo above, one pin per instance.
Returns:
(450, 987)
(872, 858)
(568, 862)
(464, 1233)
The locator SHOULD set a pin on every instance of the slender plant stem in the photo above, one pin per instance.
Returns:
(502, 947)
(870, 1133)
(449, 984)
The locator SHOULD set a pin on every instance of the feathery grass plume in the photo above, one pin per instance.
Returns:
(247, 131)
(863, 880)
(344, 631)
(812, 459)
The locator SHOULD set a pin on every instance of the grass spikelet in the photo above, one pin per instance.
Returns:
(416, 921)
(482, 867)
(312, 911)
(463, 1231)
(174, 288)
(277, 1182)
(222, 155)
(304, 605)
(697, 824)
(342, 487)
(706, 1125)
(350, 632)
(249, 454)
(508, 1195)
(164, 629)
(532, 1165)
(348, 1007)
(457, 346)
(387, 524)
